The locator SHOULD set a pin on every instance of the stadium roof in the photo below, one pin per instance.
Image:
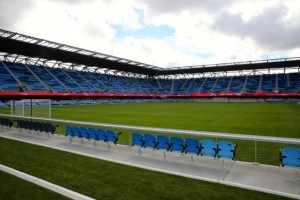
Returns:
(19, 44)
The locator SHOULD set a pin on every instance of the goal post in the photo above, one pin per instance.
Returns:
(31, 107)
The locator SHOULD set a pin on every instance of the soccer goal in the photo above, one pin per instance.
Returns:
(31, 108)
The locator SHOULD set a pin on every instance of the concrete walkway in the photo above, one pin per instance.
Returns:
(265, 178)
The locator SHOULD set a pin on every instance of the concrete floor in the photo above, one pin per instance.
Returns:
(271, 179)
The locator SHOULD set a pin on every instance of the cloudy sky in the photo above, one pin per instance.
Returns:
(165, 33)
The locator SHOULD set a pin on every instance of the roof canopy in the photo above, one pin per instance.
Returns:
(19, 44)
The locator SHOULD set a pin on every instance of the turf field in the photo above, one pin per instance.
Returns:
(268, 119)
(272, 119)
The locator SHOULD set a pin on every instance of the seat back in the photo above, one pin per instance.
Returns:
(75, 131)
(192, 146)
(112, 136)
(208, 147)
(163, 142)
(92, 133)
(226, 149)
(138, 139)
(50, 128)
(150, 141)
(290, 156)
(101, 135)
(83, 132)
(68, 130)
(177, 144)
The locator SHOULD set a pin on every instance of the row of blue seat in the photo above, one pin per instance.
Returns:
(91, 133)
(36, 126)
(6, 122)
(189, 145)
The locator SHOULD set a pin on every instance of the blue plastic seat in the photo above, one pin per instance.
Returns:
(75, 131)
(92, 133)
(101, 135)
(226, 149)
(163, 142)
(43, 127)
(208, 147)
(138, 139)
(50, 128)
(37, 126)
(192, 146)
(177, 144)
(150, 141)
(27, 125)
(290, 156)
(69, 131)
(112, 136)
(83, 132)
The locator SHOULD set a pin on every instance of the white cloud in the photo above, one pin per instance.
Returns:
(208, 31)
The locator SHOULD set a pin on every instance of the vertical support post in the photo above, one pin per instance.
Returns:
(23, 107)
(255, 153)
(192, 159)
(129, 139)
(30, 107)
(59, 125)
(50, 114)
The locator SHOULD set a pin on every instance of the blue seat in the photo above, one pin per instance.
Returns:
(177, 144)
(83, 132)
(290, 156)
(138, 139)
(69, 131)
(163, 142)
(50, 128)
(20, 124)
(92, 133)
(27, 125)
(226, 149)
(37, 126)
(43, 127)
(208, 147)
(150, 141)
(75, 131)
(112, 136)
(101, 135)
(192, 146)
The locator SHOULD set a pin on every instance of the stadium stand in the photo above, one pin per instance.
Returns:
(44, 79)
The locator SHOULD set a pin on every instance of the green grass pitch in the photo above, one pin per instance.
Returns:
(268, 119)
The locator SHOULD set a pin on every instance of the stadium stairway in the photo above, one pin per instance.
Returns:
(265, 178)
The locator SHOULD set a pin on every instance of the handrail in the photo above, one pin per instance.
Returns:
(170, 131)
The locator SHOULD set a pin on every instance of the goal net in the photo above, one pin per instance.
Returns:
(32, 108)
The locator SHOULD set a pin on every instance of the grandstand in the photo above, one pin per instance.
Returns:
(44, 68)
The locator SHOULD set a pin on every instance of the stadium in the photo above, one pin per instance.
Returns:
(104, 127)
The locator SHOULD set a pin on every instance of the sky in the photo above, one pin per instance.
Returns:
(164, 33)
